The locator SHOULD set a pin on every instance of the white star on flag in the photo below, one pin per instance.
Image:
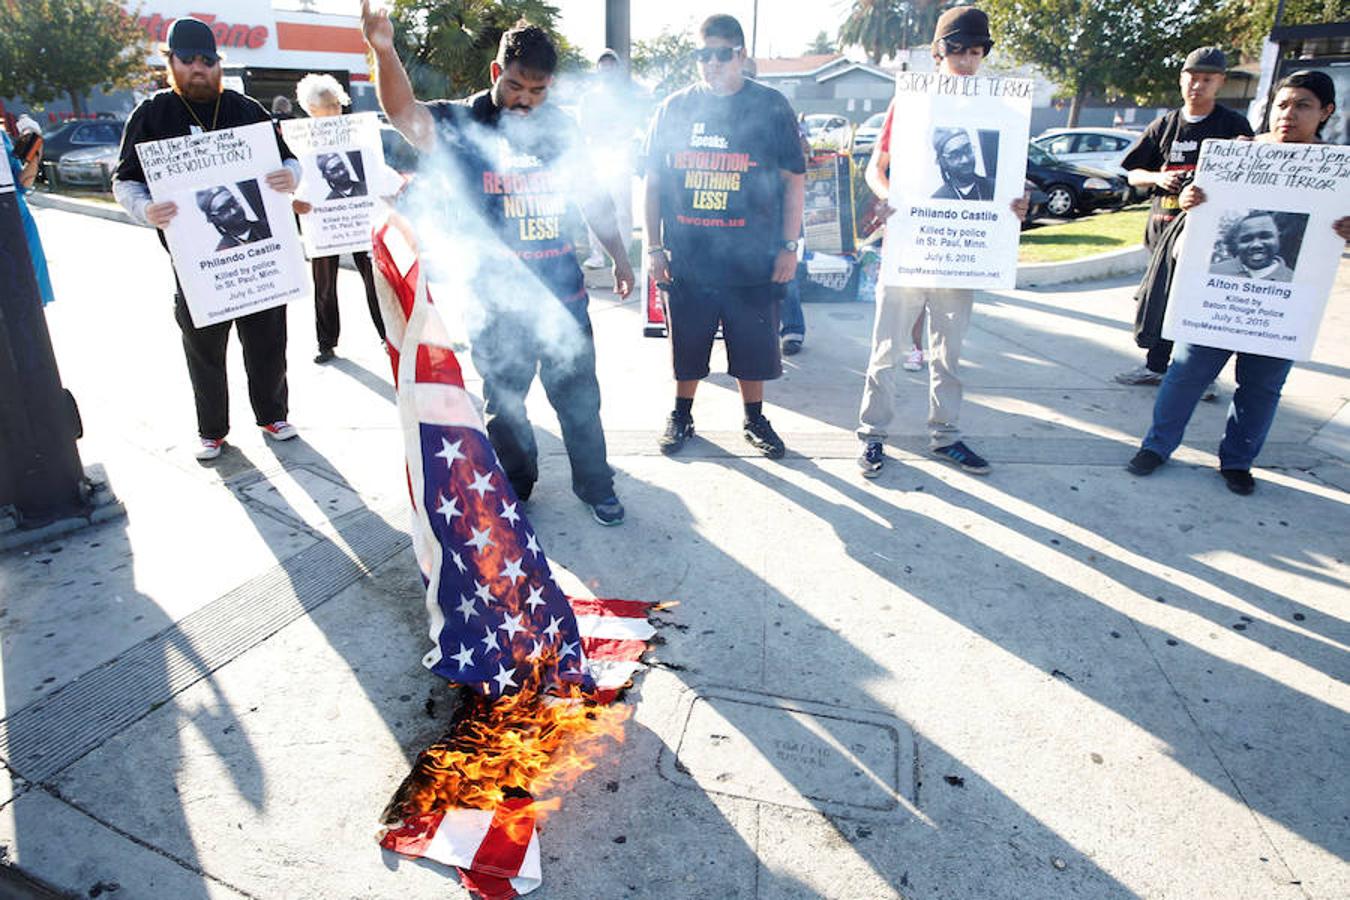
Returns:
(490, 640)
(458, 560)
(536, 598)
(511, 625)
(504, 677)
(513, 570)
(450, 452)
(482, 483)
(532, 545)
(463, 657)
(552, 630)
(509, 512)
(482, 591)
(480, 539)
(466, 607)
(449, 508)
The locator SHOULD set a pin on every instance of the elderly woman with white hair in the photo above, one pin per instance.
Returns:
(323, 95)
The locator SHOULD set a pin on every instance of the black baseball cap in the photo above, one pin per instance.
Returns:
(1206, 59)
(189, 37)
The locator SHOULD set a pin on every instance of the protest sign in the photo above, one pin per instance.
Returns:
(958, 160)
(234, 244)
(821, 216)
(1258, 257)
(342, 165)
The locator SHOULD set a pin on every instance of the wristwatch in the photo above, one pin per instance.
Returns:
(790, 246)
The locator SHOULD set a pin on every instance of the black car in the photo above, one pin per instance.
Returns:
(1072, 189)
(80, 134)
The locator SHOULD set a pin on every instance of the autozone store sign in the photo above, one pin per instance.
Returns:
(252, 37)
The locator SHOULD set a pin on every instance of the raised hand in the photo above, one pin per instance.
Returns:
(376, 28)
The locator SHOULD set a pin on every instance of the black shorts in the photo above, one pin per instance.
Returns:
(748, 315)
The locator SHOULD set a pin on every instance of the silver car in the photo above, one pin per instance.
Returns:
(90, 167)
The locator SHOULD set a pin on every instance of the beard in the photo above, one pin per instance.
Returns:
(195, 88)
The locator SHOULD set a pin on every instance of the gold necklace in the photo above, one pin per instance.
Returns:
(192, 112)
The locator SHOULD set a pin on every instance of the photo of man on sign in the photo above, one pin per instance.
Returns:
(344, 176)
(956, 161)
(228, 215)
(1259, 244)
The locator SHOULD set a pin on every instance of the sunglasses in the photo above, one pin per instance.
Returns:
(721, 54)
(187, 58)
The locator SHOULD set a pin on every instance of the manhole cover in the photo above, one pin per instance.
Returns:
(793, 753)
(304, 496)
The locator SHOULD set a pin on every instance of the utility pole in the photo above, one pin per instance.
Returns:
(618, 30)
(41, 480)
(754, 31)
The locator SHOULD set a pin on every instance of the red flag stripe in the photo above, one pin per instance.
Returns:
(438, 365)
(504, 845)
(600, 648)
(624, 609)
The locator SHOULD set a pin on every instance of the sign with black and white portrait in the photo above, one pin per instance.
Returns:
(958, 160)
(343, 177)
(1258, 256)
(233, 242)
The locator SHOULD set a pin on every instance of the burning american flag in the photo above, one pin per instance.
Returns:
(541, 665)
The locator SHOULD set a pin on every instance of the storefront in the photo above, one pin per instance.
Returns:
(268, 50)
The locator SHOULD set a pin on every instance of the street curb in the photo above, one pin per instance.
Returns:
(1130, 261)
(84, 207)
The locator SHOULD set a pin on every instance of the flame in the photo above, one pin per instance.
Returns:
(528, 744)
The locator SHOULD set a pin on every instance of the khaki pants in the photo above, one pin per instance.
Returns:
(948, 319)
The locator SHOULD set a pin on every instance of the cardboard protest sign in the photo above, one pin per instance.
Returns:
(1258, 257)
(343, 168)
(233, 242)
(958, 160)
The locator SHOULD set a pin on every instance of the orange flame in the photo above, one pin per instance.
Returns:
(527, 744)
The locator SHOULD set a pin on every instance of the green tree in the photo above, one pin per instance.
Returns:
(1246, 23)
(820, 45)
(667, 61)
(1104, 48)
(65, 48)
(883, 27)
(448, 45)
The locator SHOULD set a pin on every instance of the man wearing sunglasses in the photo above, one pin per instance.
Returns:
(193, 103)
(724, 188)
(961, 42)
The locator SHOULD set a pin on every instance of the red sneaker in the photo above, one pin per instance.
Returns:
(280, 430)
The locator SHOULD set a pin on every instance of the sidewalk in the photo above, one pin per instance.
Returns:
(1057, 681)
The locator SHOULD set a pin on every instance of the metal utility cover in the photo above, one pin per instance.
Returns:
(302, 495)
(793, 753)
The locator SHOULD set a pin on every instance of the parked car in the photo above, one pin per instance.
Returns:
(88, 167)
(1073, 189)
(1102, 148)
(868, 133)
(826, 130)
(398, 153)
(79, 134)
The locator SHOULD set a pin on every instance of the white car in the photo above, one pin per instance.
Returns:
(868, 133)
(1101, 148)
(826, 131)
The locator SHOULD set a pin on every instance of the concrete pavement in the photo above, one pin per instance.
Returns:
(1057, 681)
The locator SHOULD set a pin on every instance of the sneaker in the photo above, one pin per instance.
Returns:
(1211, 394)
(760, 435)
(1144, 462)
(210, 448)
(791, 346)
(678, 430)
(608, 512)
(1139, 375)
(914, 361)
(872, 459)
(326, 355)
(1239, 481)
(280, 430)
(962, 456)
(594, 261)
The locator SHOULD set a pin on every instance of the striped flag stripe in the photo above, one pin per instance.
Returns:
(595, 606)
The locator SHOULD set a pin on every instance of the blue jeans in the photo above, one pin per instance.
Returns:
(793, 321)
(1259, 380)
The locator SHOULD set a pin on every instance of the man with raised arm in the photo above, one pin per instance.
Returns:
(514, 151)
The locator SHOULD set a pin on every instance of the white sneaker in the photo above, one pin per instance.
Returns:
(280, 430)
(209, 449)
(594, 261)
(913, 362)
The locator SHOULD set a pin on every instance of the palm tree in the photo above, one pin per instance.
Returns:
(878, 26)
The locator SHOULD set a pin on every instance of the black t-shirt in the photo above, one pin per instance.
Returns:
(523, 172)
(166, 115)
(719, 160)
(1169, 144)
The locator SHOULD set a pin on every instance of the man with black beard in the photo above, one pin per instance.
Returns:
(194, 103)
(956, 161)
(520, 166)
(224, 211)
